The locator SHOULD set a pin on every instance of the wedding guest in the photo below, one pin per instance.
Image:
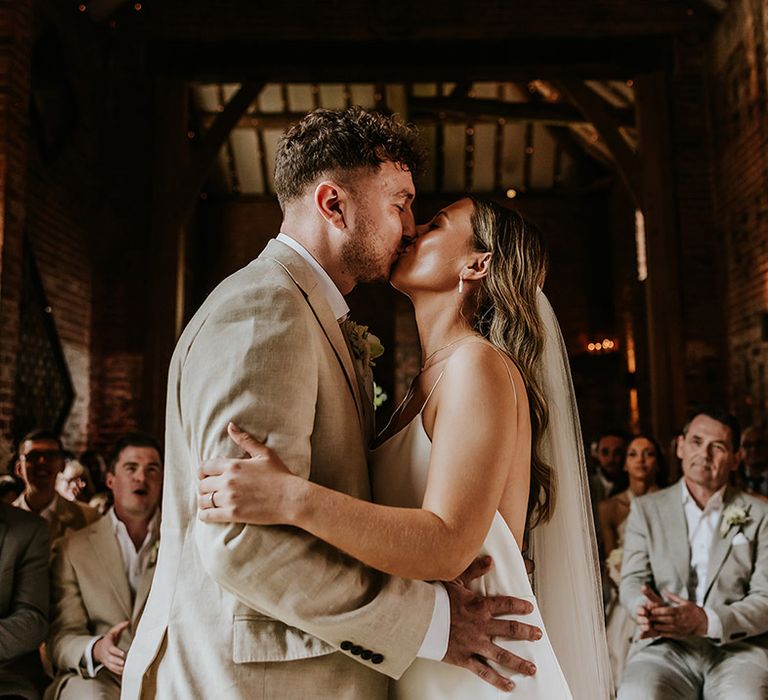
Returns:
(40, 459)
(695, 575)
(643, 463)
(102, 575)
(754, 447)
(74, 482)
(23, 602)
(96, 467)
(609, 478)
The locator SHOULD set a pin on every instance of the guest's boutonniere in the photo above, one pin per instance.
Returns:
(366, 347)
(733, 515)
(153, 550)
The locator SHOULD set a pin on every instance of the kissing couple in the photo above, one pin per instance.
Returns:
(300, 556)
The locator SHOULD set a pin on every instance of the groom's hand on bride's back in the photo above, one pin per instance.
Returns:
(474, 625)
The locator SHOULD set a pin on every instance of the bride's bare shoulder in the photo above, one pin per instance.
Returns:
(480, 368)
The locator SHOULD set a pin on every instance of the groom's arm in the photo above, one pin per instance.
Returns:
(253, 362)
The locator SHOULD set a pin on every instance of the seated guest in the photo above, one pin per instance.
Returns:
(695, 574)
(40, 459)
(754, 447)
(23, 602)
(643, 464)
(74, 481)
(609, 478)
(102, 574)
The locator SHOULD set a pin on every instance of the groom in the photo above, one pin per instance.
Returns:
(271, 612)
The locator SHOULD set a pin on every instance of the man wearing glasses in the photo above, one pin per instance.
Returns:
(39, 462)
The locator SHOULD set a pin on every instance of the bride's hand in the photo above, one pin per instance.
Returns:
(257, 491)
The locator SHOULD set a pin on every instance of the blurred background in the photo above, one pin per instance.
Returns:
(137, 144)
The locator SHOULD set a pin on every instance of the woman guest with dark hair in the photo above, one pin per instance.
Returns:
(646, 471)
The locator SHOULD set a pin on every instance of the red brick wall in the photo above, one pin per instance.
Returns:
(739, 108)
(15, 37)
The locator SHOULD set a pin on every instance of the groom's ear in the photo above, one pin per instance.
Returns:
(330, 200)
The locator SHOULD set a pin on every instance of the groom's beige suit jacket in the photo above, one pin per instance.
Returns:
(264, 612)
(656, 551)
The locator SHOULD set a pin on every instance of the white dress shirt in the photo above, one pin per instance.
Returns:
(135, 563)
(702, 526)
(435, 643)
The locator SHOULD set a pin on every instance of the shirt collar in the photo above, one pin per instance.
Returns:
(119, 526)
(714, 503)
(331, 292)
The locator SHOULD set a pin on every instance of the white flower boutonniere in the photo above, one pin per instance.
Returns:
(366, 347)
(733, 515)
(153, 550)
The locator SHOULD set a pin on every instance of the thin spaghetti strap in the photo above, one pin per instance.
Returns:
(505, 359)
(431, 391)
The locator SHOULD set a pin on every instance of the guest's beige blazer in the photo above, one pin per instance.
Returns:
(656, 551)
(90, 595)
(263, 612)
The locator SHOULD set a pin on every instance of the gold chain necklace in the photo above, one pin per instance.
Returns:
(445, 347)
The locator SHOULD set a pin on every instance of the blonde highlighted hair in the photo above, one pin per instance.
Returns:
(505, 314)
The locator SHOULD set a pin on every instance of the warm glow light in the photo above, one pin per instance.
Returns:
(137, 7)
(82, 8)
(511, 194)
(634, 411)
(642, 261)
(591, 347)
(598, 346)
(630, 83)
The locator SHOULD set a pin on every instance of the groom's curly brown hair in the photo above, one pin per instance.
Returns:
(329, 141)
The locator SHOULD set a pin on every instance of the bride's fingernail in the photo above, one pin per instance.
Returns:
(531, 669)
(510, 685)
(537, 634)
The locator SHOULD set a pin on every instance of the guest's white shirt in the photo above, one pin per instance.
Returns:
(135, 564)
(435, 643)
(702, 525)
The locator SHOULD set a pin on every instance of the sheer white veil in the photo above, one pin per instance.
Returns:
(567, 577)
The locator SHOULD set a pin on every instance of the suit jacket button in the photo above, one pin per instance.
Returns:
(356, 650)
(366, 654)
(377, 658)
(346, 645)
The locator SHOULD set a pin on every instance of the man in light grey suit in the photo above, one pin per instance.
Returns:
(272, 612)
(695, 573)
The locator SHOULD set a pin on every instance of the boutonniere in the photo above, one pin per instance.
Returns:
(153, 550)
(733, 515)
(366, 347)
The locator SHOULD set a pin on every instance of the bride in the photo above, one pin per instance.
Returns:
(484, 447)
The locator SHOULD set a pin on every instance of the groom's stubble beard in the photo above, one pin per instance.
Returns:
(359, 256)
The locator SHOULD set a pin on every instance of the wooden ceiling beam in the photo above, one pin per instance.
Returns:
(599, 113)
(406, 61)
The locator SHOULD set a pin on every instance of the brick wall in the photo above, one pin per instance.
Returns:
(15, 37)
(739, 109)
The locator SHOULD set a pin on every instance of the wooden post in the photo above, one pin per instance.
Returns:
(662, 287)
(179, 174)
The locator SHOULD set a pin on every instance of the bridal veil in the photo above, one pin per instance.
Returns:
(567, 577)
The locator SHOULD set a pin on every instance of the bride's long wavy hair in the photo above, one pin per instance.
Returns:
(505, 314)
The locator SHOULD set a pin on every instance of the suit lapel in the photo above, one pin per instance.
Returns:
(671, 512)
(306, 281)
(107, 550)
(721, 544)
